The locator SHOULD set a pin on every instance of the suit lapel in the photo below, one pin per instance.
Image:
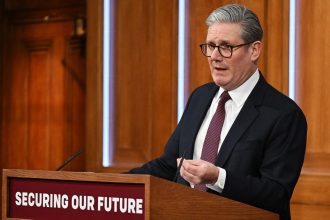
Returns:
(247, 115)
(242, 122)
(194, 125)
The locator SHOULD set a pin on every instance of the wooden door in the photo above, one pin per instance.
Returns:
(43, 87)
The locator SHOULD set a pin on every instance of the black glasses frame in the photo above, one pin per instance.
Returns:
(204, 48)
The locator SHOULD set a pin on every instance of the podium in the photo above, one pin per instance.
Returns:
(34, 194)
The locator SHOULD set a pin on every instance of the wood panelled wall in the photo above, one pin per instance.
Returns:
(144, 78)
(313, 55)
(312, 194)
(43, 85)
(1, 70)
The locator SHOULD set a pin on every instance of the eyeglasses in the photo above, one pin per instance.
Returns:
(225, 50)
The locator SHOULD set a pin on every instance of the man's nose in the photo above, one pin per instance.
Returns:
(215, 55)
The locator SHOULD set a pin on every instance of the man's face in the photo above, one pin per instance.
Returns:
(230, 73)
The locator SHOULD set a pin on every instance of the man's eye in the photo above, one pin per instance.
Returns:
(211, 47)
(225, 46)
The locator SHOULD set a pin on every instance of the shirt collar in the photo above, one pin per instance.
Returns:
(241, 93)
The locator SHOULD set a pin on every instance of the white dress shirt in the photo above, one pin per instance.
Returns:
(232, 108)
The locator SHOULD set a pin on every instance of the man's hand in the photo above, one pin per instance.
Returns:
(199, 171)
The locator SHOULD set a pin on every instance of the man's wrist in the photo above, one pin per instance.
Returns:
(219, 185)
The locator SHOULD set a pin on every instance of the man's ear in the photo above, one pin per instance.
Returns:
(256, 50)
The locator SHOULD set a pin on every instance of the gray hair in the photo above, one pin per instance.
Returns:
(235, 13)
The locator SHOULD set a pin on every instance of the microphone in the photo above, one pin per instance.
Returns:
(70, 159)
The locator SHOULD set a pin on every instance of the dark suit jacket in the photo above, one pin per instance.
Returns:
(262, 153)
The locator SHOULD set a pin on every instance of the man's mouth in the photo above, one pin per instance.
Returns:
(219, 68)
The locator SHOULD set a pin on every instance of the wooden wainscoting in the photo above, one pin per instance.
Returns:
(311, 198)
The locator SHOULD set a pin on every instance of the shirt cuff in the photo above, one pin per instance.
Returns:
(220, 183)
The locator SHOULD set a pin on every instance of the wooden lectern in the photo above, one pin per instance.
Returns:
(32, 194)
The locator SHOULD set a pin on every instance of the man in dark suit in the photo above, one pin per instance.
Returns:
(259, 135)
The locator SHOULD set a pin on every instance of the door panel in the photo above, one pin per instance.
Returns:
(43, 87)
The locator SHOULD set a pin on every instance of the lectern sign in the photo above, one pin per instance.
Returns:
(51, 199)
(37, 194)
